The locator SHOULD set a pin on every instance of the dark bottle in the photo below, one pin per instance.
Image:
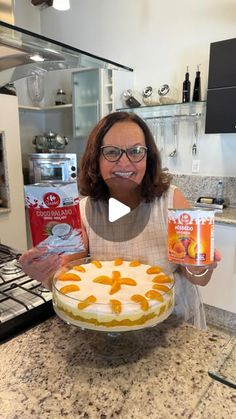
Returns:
(186, 88)
(197, 86)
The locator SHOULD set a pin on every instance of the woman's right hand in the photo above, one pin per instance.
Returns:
(40, 266)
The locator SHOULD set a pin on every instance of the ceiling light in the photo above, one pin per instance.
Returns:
(61, 4)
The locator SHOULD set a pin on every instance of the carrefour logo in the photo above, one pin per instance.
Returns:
(185, 218)
(51, 199)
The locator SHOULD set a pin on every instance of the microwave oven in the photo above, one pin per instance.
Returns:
(52, 167)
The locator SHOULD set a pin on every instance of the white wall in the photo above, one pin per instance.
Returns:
(158, 39)
(26, 15)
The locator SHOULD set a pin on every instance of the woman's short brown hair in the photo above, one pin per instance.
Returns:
(155, 180)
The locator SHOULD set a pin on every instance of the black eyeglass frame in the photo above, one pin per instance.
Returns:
(122, 151)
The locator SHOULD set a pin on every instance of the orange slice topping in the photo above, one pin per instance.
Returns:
(69, 288)
(140, 300)
(116, 281)
(154, 270)
(161, 287)
(118, 262)
(115, 287)
(103, 279)
(134, 263)
(115, 274)
(116, 306)
(88, 301)
(79, 268)
(69, 277)
(127, 281)
(97, 263)
(154, 295)
(159, 279)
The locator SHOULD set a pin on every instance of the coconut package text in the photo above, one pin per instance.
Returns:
(54, 216)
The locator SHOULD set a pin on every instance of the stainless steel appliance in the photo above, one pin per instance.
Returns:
(52, 167)
(24, 53)
(24, 302)
(50, 142)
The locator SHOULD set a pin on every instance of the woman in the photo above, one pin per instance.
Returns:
(121, 161)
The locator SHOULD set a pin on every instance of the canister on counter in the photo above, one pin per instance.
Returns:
(191, 236)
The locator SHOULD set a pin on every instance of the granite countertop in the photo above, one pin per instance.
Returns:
(228, 216)
(55, 370)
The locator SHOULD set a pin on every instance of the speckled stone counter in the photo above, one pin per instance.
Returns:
(54, 371)
(228, 216)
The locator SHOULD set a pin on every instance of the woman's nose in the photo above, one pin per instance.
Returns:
(124, 158)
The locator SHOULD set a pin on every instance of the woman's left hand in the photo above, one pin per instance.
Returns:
(200, 275)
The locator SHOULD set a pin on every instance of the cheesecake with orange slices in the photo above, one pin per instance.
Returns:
(115, 295)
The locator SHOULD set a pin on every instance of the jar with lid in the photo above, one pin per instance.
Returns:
(151, 96)
(131, 98)
(168, 94)
(60, 97)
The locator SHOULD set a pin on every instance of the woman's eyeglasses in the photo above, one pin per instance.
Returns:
(114, 153)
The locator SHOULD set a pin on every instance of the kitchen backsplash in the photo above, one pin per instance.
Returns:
(194, 186)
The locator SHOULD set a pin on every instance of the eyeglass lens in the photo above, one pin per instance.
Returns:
(134, 154)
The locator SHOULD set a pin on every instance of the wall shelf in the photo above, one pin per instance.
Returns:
(23, 108)
(173, 110)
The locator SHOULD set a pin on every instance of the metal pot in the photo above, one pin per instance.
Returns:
(49, 142)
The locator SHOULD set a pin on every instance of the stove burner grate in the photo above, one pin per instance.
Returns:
(24, 302)
(11, 268)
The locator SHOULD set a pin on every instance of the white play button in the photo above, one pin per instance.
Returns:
(116, 209)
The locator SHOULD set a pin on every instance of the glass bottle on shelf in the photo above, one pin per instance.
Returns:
(60, 97)
(186, 88)
(197, 86)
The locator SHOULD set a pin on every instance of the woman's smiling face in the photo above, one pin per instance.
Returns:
(124, 135)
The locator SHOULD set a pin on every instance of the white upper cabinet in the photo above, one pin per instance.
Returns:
(95, 93)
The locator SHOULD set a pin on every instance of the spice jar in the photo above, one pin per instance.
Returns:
(60, 97)
(150, 96)
(167, 94)
(131, 98)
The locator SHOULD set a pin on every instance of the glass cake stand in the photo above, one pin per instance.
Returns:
(224, 368)
(112, 344)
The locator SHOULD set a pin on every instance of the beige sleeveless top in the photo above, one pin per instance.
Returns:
(150, 247)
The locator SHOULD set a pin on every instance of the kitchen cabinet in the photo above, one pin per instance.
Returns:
(220, 113)
(221, 94)
(95, 93)
(222, 66)
(221, 290)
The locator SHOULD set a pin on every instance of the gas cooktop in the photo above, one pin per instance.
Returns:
(24, 302)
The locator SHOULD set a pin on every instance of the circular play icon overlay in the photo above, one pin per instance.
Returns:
(122, 217)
